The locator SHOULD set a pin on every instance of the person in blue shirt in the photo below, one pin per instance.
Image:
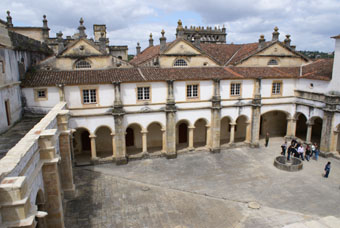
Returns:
(327, 169)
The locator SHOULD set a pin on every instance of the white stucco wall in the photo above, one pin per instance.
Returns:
(288, 87)
(314, 86)
(205, 90)
(247, 89)
(41, 105)
(158, 92)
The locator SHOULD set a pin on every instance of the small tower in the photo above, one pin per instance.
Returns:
(138, 49)
(45, 29)
(150, 40)
(81, 29)
(276, 34)
(9, 19)
(162, 41)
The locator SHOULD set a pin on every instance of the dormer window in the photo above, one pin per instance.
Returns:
(82, 64)
(273, 62)
(180, 63)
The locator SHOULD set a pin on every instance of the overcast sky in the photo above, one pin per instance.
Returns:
(310, 23)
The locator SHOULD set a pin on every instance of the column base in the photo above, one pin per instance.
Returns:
(215, 150)
(254, 145)
(121, 161)
(145, 154)
(70, 193)
(171, 156)
(190, 148)
(95, 160)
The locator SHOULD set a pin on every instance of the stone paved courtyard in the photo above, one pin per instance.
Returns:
(200, 189)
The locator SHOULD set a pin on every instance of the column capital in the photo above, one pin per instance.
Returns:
(144, 131)
(163, 129)
(232, 124)
(208, 125)
(191, 127)
(291, 118)
(92, 136)
(113, 134)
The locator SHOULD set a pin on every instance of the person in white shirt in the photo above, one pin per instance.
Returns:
(301, 151)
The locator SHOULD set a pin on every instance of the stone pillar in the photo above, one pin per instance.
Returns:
(309, 132)
(113, 145)
(144, 141)
(191, 137)
(61, 92)
(256, 115)
(232, 133)
(65, 147)
(93, 147)
(291, 127)
(216, 118)
(170, 111)
(326, 133)
(208, 139)
(50, 172)
(248, 132)
(334, 142)
(118, 115)
(163, 140)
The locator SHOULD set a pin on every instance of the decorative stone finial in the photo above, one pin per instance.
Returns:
(81, 29)
(261, 41)
(276, 29)
(44, 16)
(9, 19)
(287, 40)
(150, 35)
(138, 44)
(179, 22)
(162, 32)
(276, 34)
(81, 21)
(150, 40)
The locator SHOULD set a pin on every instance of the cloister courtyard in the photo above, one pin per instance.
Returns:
(201, 189)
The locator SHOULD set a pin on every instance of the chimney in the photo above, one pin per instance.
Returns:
(262, 42)
(9, 19)
(150, 40)
(102, 43)
(81, 29)
(287, 40)
(276, 34)
(179, 30)
(137, 49)
(60, 41)
(162, 41)
(45, 29)
(197, 40)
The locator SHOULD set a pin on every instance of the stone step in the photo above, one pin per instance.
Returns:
(326, 222)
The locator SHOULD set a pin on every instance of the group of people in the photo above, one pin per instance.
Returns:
(303, 151)
(299, 150)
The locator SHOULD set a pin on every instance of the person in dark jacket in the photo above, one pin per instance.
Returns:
(267, 139)
(327, 169)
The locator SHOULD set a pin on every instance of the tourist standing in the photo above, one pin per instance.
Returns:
(284, 148)
(313, 150)
(300, 152)
(327, 169)
(316, 152)
(307, 153)
(267, 139)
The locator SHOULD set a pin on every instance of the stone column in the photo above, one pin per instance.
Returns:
(50, 172)
(61, 92)
(256, 115)
(248, 132)
(93, 147)
(208, 139)
(113, 145)
(163, 140)
(232, 133)
(309, 132)
(334, 143)
(216, 118)
(65, 147)
(191, 137)
(291, 127)
(170, 111)
(326, 133)
(144, 141)
(118, 115)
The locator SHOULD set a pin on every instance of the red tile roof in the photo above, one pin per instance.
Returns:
(320, 69)
(148, 54)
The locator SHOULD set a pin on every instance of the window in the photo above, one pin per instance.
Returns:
(276, 88)
(235, 89)
(40, 94)
(89, 96)
(81, 64)
(143, 93)
(192, 91)
(180, 62)
(272, 62)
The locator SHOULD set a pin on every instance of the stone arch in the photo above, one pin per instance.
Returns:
(95, 131)
(82, 145)
(200, 132)
(182, 133)
(133, 139)
(225, 129)
(301, 125)
(40, 204)
(274, 122)
(104, 141)
(316, 122)
(241, 128)
(155, 136)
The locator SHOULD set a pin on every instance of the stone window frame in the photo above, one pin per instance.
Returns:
(280, 82)
(37, 97)
(179, 59)
(150, 93)
(240, 90)
(89, 87)
(273, 62)
(191, 98)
